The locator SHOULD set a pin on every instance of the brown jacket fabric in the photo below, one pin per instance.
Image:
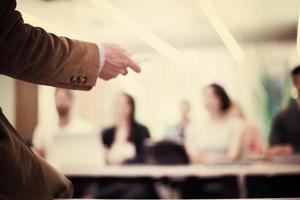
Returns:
(31, 54)
(24, 176)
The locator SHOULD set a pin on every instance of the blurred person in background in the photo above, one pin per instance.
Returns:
(219, 138)
(284, 141)
(252, 137)
(285, 132)
(67, 124)
(124, 142)
(177, 132)
(216, 140)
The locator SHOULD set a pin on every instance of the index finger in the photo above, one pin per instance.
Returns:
(134, 66)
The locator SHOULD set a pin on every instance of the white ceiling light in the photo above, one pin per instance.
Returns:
(219, 26)
(147, 36)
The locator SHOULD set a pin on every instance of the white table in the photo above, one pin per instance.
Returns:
(239, 170)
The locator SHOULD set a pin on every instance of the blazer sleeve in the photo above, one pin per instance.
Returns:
(31, 54)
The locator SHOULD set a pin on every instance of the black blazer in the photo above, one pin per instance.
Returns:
(138, 136)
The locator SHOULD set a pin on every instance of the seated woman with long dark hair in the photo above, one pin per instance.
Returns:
(124, 142)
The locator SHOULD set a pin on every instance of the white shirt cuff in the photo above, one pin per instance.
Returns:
(101, 57)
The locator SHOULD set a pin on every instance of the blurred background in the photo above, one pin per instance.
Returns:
(265, 30)
(247, 46)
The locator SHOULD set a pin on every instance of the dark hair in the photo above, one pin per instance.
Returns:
(131, 103)
(295, 71)
(222, 96)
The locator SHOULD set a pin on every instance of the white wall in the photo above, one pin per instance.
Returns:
(162, 85)
(7, 97)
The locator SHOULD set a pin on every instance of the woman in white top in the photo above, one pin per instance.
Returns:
(219, 138)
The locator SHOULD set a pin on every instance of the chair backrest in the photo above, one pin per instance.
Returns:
(166, 152)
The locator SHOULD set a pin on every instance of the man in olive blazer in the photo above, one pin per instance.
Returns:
(31, 54)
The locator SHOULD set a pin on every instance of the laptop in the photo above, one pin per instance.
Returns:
(77, 153)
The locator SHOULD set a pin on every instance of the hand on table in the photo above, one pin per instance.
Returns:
(278, 150)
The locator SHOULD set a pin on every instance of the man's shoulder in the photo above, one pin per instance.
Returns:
(282, 115)
(82, 124)
(45, 129)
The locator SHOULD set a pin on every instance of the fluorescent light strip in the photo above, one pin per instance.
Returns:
(298, 31)
(147, 36)
(228, 39)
